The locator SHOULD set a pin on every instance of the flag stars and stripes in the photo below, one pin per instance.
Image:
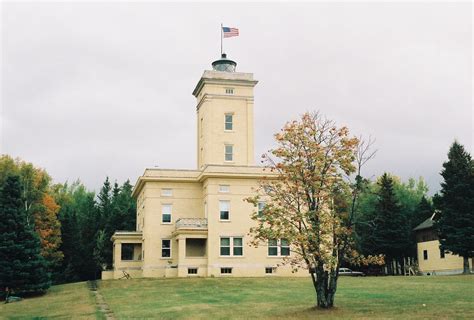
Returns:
(230, 32)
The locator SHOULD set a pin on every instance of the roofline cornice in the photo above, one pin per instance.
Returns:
(205, 80)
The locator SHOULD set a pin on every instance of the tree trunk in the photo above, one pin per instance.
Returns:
(325, 284)
(466, 265)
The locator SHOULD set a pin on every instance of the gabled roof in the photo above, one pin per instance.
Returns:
(428, 223)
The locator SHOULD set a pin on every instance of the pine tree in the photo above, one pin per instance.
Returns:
(424, 210)
(391, 233)
(23, 269)
(456, 204)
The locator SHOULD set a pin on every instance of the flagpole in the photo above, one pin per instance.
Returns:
(221, 39)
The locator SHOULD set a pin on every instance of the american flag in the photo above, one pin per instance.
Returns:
(230, 32)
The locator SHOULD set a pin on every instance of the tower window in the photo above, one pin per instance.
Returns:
(224, 209)
(166, 192)
(224, 188)
(229, 152)
(229, 90)
(166, 213)
(229, 121)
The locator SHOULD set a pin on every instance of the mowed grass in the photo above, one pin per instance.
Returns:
(69, 301)
(448, 297)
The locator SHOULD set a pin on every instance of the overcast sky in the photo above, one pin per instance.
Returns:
(92, 90)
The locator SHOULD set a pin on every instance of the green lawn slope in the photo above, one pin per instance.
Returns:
(448, 297)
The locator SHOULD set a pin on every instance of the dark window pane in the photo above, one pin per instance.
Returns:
(225, 251)
(238, 251)
(285, 251)
(272, 251)
(127, 251)
(425, 254)
(166, 218)
(224, 215)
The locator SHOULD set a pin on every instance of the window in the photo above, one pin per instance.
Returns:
(166, 192)
(224, 209)
(261, 206)
(229, 90)
(232, 245)
(226, 270)
(425, 254)
(166, 213)
(273, 247)
(192, 270)
(166, 248)
(441, 253)
(270, 270)
(225, 246)
(127, 251)
(238, 247)
(229, 121)
(229, 152)
(224, 188)
(284, 247)
(278, 248)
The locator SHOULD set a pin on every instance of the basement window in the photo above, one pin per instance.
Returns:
(270, 270)
(226, 270)
(192, 270)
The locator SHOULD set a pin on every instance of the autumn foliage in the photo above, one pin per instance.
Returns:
(307, 199)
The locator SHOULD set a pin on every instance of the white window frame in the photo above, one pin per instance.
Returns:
(231, 246)
(224, 188)
(227, 153)
(170, 249)
(231, 122)
(221, 202)
(278, 246)
(163, 213)
(166, 192)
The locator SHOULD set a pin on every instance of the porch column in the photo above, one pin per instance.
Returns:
(182, 269)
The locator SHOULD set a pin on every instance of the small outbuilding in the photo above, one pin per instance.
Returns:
(431, 259)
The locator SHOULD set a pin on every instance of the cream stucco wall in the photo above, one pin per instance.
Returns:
(213, 103)
(435, 264)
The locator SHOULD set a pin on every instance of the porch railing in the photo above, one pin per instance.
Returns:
(191, 223)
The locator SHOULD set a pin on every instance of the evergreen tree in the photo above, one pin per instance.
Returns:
(391, 233)
(456, 204)
(23, 269)
(424, 210)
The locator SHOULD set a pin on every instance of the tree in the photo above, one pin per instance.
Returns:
(456, 204)
(391, 232)
(301, 204)
(23, 269)
(424, 210)
(40, 208)
(48, 228)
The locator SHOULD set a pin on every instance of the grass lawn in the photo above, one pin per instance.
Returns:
(448, 297)
(291, 298)
(69, 301)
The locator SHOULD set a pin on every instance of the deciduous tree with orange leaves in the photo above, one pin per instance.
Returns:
(309, 202)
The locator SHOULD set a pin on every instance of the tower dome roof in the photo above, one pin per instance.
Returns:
(224, 64)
